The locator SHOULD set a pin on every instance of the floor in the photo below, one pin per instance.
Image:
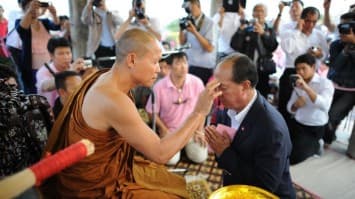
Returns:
(331, 175)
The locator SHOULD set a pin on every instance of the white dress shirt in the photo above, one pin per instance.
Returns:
(237, 118)
(295, 43)
(313, 114)
(106, 36)
(230, 25)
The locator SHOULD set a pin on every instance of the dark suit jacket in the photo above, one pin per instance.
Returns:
(259, 153)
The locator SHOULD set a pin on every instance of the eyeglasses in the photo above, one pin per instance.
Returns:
(180, 99)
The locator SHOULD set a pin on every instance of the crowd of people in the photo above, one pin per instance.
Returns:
(222, 77)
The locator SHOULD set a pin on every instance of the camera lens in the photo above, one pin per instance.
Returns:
(293, 79)
(344, 28)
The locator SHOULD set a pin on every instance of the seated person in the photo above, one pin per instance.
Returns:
(24, 122)
(309, 104)
(60, 52)
(175, 95)
(65, 82)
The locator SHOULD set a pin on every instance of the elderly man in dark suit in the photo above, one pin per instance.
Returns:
(259, 152)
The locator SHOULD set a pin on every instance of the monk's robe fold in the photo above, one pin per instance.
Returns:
(111, 171)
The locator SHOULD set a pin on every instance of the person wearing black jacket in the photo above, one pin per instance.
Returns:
(257, 40)
(342, 73)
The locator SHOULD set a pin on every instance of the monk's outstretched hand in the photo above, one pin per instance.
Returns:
(205, 100)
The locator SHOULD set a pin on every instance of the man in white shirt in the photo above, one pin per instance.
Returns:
(200, 34)
(228, 23)
(309, 103)
(305, 38)
(296, 7)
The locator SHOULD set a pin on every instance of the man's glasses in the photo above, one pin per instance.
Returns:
(180, 99)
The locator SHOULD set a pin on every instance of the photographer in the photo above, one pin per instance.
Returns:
(342, 73)
(309, 103)
(34, 34)
(305, 38)
(103, 25)
(228, 20)
(296, 7)
(61, 60)
(257, 40)
(141, 21)
(198, 31)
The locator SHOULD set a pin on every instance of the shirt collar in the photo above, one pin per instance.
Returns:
(198, 18)
(170, 83)
(239, 117)
(315, 78)
(100, 11)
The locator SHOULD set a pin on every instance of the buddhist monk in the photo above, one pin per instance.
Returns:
(103, 111)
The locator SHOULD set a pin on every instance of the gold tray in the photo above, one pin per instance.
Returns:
(241, 192)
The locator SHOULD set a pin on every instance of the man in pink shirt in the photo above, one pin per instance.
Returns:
(59, 49)
(175, 97)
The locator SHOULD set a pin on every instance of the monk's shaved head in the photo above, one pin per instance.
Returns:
(134, 41)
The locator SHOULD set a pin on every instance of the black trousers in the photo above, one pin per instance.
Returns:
(343, 102)
(16, 57)
(263, 84)
(103, 51)
(305, 140)
(285, 91)
(203, 73)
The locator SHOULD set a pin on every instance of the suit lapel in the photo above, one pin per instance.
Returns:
(246, 127)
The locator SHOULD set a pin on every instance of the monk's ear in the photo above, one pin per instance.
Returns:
(131, 59)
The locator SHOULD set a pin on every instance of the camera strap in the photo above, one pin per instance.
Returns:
(49, 69)
(261, 48)
(200, 22)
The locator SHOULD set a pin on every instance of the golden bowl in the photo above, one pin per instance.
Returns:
(241, 192)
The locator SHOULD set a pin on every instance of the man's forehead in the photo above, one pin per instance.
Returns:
(223, 72)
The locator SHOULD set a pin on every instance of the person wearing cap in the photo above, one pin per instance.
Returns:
(200, 34)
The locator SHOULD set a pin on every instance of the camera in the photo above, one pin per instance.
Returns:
(293, 79)
(43, 4)
(139, 10)
(87, 63)
(184, 22)
(314, 49)
(344, 28)
(231, 5)
(96, 3)
(286, 3)
(249, 24)
(139, 13)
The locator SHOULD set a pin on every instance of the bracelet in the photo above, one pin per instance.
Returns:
(279, 15)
